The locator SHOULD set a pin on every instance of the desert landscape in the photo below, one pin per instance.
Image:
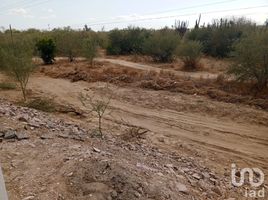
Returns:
(177, 113)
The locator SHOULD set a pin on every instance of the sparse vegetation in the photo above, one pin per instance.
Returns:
(43, 104)
(17, 62)
(97, 106)
(251, 59)
(46, 49)
(190, 52)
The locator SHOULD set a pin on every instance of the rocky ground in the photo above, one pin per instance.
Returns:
(158, 143)
(45, 157)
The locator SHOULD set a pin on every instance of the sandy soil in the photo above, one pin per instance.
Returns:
(215, 134)
(198, 75)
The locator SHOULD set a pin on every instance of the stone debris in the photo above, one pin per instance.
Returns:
(183, 175)
(182, 188)
(96, 150)
(13, 135)
(46, 137)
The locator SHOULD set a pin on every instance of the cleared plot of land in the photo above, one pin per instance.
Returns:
(210, 131)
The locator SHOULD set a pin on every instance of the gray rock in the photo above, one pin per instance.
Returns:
(10, 135)
(46, 137)
(196, 176)
(34, 125)
(62, 135)
(96, 150)
(22, 119)
(217, 190)
(169, 165)
(2, 134)
(206, 175)
(137, 194)
(182, 188)
(22, 136)
(114, 194)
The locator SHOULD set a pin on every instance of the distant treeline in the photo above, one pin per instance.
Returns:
(217, 38)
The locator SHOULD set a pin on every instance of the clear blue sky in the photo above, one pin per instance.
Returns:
(23, 14)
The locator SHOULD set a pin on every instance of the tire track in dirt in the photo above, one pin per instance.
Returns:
(196, 75)
(245, 141)
(234, 143)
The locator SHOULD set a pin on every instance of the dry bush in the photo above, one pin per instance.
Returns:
(96, 106)
(43, 104)
(7, 86)
(251, 59)
(133, 133)
(220, 89)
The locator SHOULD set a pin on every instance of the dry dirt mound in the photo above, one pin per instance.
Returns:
(52, 164)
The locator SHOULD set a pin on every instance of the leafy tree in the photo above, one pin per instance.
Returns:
(218, 38)
(90, 49)
(46, 48)
(16, 61)
(115, 42)
(161, 46)
(190, 52)
(127, 41)
(69, 43)
(251, 59)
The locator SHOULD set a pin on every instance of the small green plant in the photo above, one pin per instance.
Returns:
(161, 46)
(7, 86)
(90, 49)
(46, 49)
(251, 59)
(43, 104)
(190, 52)
(16, 61)
(96, 106)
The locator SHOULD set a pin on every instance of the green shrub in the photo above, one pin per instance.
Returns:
(7, 86)
(251, 59)
(115, 42)
(218, 38)
(68, 43)
(190, 53)
(127, 41)
(161, 46)
(90, 49)
(46, 49)
(16, 61)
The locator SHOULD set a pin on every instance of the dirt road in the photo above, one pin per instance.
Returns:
(170, 128)
(124, 63)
